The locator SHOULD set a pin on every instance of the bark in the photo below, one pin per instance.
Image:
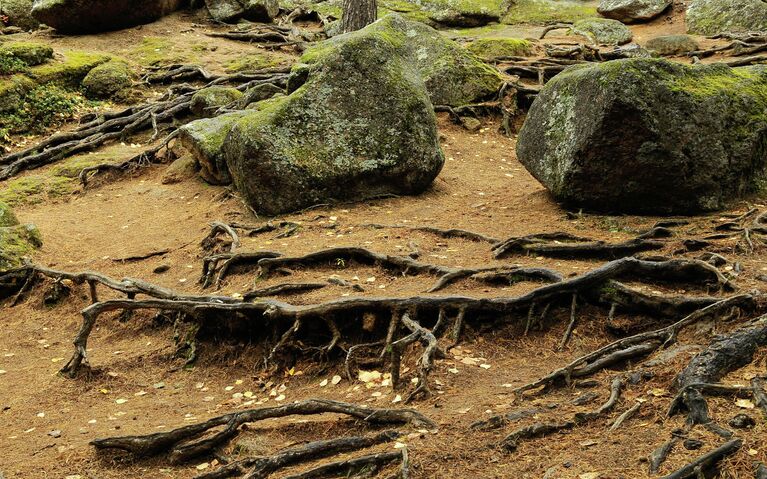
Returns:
(359, 14)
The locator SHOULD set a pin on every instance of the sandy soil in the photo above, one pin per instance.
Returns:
(137, 385)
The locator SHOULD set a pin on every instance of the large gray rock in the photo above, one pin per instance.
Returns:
(90, 16)
(711, 17)
(672, 44)
(453, 75)
(19, 13)
(649, 136)
(359, 126)
(232, 10)
(603, 31)
(631, 11)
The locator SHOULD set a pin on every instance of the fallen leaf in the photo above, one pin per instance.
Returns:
(745, 404)
(336, 379)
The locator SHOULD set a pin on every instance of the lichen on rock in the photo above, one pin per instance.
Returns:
(649, 136)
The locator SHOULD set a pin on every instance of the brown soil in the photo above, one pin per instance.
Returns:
(482, 188)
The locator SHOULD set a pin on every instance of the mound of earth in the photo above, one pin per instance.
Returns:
(649, 136)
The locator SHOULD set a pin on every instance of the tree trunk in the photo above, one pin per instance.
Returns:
(359, 14)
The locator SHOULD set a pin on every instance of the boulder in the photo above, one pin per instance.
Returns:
(453, 76)
(632, 11)
(359, 125)
(230, 11)
(672, 44)
(31, 53)
(712, 17)
(649, 136)
(206, 101)
(259, 93)
(205, 141)
(107, 79)
(461, 13)
(19, 13)
(489, 48)
(603, 31)
(544, 12)
(91, 16)
(16, 240)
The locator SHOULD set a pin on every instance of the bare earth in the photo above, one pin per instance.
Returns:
(137, 386)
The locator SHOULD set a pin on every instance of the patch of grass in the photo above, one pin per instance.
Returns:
(254, 61)
(157, 51)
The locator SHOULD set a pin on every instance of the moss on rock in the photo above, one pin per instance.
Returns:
(489, 48)
(548, 11)
(107, 79)
(206, 101)
(16, 240)
(712, 17)
(19, 13)
(603, 31)
(31, 53)
(205, 141)
(453, 76)
(71, 70)
(649, 136)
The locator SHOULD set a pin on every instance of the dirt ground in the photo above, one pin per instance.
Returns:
(138, 386)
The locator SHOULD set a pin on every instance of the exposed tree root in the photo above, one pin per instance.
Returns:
(182, 444)
(634, 346)
(696, 467)
(352, 467)
(262, 466)
(442, 233)
(724, 354)
(565, 245)
(113, 126)
(511, 442)
(216, 267)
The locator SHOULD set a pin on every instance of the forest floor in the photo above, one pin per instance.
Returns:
(138, 386)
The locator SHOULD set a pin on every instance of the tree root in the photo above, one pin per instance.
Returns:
(633, 346)
(216, 267)
(724, 354)
(565, 245)
(113, 126)
(442, 233)
(696, 467)
(511, 442)
(181, 445)
(262, 466)
(352, 467)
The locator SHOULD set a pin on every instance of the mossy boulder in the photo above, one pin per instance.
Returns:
(19, 13)
(70, 70)
(91, 16)
(453, 75)
(206, 101)
(105, 80)
(16, 240)
(12, 92)
(259, 93)
(712, 17)
(672, 44)
(603, 31)
(233, 10)
(489, 48)
(548, 11)
(31, 53)
(632, 11)
(205, 141)
(460, 13)
(361, 125)
(649, 136)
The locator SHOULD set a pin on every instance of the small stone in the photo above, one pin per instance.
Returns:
(692, 444)
(161, 269)
(742, 421)
(56, 433)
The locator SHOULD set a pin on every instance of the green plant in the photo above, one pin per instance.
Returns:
(10, 64)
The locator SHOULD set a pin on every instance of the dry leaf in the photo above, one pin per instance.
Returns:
(745, 403)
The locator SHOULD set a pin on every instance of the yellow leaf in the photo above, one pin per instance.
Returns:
(745, 403)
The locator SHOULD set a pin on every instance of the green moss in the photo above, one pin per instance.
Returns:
(31, 53)
(157, 51)
(549, 11)
(71, 71)
(489, 48)
(7, 218)
(43, 106)
(58, 181)
(107, 79)
(255, 61)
